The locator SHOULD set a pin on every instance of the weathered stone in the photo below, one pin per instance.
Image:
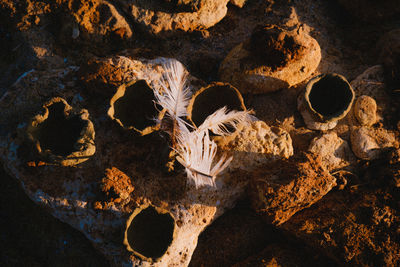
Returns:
(62, 135)
(134, 178)
(326, 99)
(133, 107)
(369, 143)
(334, 151)
(238, 3)
(357, 226)
(272, 59)
(365, 110)
(283, 188)
(171, 16)
(372, 83)
(255, 145)
(209, 99)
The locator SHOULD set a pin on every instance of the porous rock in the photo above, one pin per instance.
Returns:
(256, 144)
(283, 188)
(94, 22)
(334, 151)
(125, 175)
(358, 226)
(266, 64)
(365, 110)
(369, 143)
(372, 83)
(171, 16)
(238, 3)
(62, 135)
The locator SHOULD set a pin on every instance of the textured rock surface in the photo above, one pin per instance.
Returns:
(238, 3)
(100, 212)
(61, 135)
(334, 151)
(156, 17)
(365, 110)
(372, 83)
(283, 188)
(357, 226)
(39, 50)
(255, 145)
(241, 70)
(369, 143)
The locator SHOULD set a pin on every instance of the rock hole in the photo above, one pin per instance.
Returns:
(136, 108)
(330, 96)
(212, 99)
(150, 233)
(58, 133)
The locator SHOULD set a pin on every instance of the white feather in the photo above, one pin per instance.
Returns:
(176, 94)
(219, 121)
(196, 153)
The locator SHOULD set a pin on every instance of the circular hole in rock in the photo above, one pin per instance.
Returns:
(150, 233)
(330, 96)
(58, 133)
(136, 108)
(213, 98)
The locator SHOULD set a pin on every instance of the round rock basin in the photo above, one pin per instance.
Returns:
(62, 135)
(327, 99)
(149, 232)
(133, 108)
(211, 98)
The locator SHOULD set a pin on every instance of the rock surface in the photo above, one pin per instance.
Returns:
(283, 188)
(170, 16)
(369, 143)
(255, 145)
(253, 68)
(334, 151)
(365, 110)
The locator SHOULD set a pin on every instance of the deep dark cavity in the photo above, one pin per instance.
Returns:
(150, 233)
(136, 107)
(330, 96)
(58, 133)
(272, 47)
(212, 99)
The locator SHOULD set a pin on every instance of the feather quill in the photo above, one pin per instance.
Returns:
(220, 120)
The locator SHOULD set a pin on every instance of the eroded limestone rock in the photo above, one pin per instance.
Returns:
(168, 16)
(272, 59)
(62, 135)
(369, 143)
(334, 151)
(209, 99)
(326, 99)
(365, 110)
(281, 189)
(255, 145)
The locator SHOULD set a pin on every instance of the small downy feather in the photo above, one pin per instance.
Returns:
(196, 153)
(220, 120)
(176, 94)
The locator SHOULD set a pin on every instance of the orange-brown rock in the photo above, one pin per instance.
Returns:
(281, 189)
(271, 59)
